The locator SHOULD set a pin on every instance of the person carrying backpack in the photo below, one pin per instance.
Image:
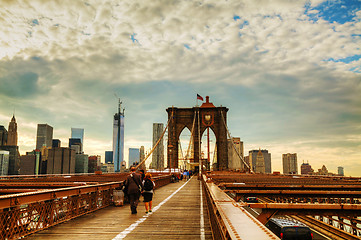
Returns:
(148, 186)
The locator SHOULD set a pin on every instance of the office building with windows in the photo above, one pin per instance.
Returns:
(252, 159)
(44, 136)
(289, 162)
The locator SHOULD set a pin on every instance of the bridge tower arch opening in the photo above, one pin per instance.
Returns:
(208, 149)
(185, 148)
(198, 119)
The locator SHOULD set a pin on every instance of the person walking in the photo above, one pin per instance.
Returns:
(142, 174)
(148, 188)
(134, 185)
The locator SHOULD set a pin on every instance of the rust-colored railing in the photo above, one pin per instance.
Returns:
(228, 219)
(26, 213)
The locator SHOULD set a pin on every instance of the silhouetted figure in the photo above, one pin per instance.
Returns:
(134, 185)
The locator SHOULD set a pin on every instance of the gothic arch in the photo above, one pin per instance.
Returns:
(207, 115)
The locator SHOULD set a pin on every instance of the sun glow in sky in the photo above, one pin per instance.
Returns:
(289, 71)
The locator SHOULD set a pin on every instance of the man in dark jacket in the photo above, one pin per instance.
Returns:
(134, 185)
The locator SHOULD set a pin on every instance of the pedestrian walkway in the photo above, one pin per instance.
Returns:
(177, 214)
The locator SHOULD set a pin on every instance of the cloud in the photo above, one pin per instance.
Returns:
(269, 62)
(24, 84)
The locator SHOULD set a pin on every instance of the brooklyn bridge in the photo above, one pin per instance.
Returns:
(216, 203)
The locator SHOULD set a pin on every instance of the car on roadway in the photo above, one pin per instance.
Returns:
(289, 229)
(251, 200)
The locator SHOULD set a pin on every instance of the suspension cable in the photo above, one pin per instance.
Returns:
(155, 144)
(229, 135)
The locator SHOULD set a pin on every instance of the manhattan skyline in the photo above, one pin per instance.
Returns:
(289, 72)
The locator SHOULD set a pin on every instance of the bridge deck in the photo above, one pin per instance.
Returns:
(177, 214)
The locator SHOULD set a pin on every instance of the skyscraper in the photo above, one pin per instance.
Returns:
(12, 133)
(118, 138)
(260, 163)
(266, 157)
(44, 136)
(289, 162)
(158, 153)
(78, 133)
(234, 161)
(134, 156)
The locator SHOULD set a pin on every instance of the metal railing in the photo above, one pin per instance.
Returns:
(26, 213)
(229, 220)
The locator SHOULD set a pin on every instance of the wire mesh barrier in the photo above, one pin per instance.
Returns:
(26, 213)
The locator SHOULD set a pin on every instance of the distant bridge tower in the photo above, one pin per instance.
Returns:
(207, 115)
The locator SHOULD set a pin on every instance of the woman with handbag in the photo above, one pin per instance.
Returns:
(148, 187)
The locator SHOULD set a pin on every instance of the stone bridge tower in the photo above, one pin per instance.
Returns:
(207, 115)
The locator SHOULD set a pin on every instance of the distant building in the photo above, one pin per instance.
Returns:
(4, 162)
(28, 164)
(75, 144)
(93, 164)
(158, 153)
(81, 163)
(42, 157)
(108, 156)
(118, 139)
(78, 133)
(60, 161)
(260, 163)
(134, 156)
(40, 162)
(252, 159)
(323, 170)
(14, 159)
(99, 162)
(12, 133)
(306, 169)
(142, 157)
(56, 143)
(3, 136)
(44, 136)
(107, 167)
(289, 162)
(234, 161)
(246, 159)
(340, 171)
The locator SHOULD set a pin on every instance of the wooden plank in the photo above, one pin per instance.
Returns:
(178, 218)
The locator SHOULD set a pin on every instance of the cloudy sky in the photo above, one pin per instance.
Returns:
(289, 71)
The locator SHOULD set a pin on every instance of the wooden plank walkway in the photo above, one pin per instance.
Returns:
(176, 215)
